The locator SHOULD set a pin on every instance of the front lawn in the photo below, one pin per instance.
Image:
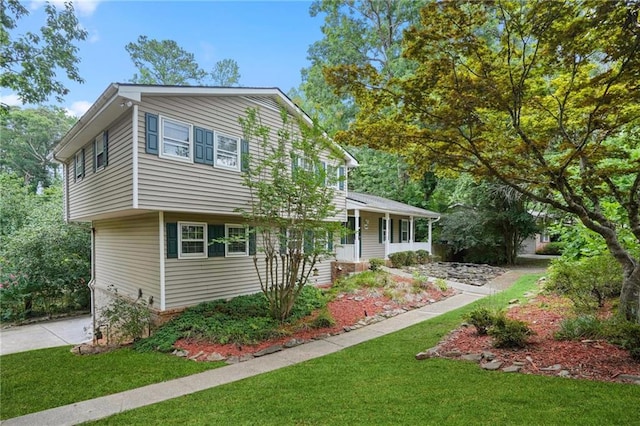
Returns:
(380, 382)
(38, 380)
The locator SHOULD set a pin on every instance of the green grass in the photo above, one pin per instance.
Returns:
(38, 380)
(379, 382)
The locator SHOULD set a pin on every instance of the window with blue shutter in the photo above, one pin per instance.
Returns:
(390, 230)
(341, 178)
(216, 249)
(172, 240)
(244, 152)
(380, 230)
(203, 141)
(330, 241)
(151, 133)
(100, 151)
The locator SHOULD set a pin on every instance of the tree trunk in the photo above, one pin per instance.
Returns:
(630, 295)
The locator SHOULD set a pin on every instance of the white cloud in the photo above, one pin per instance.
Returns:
(82, 7)
(11, 99)
(78, 108)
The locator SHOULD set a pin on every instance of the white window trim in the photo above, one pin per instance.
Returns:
(215, 151)
(205, 240)
(161, 152)
(78, 161)
(246, 241)
(404, 223)
(98, 144)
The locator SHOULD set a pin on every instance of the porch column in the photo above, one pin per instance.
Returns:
(387, 243)
(411, 238)
(429, 240)
(356, 240)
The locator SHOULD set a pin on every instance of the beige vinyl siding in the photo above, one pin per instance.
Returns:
(127, 254)
(371, 248)
(109, 189)
(192, 281)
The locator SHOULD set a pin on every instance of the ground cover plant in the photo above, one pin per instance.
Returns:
(380, 382)
(38, 380)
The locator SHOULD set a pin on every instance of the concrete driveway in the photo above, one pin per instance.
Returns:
(49, 334)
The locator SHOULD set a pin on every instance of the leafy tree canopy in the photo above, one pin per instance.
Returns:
(30, 61)
(28, 136)
(542, 96)
(225, 73)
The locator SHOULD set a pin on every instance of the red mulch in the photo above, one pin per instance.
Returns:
(589, 359)
(346, 310)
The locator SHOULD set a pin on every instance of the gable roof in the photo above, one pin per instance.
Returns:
(111, 103)
(367, 202)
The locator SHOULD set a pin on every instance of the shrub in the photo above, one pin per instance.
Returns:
(587, 282)
(423, 257)
(410, 258)
(482, 318)
(398, 259)
(509, 333)
(552, 248)
(323, 320)
(624, 333)
(376, 263)
(441, 284)
(125, 319)
(582, 327)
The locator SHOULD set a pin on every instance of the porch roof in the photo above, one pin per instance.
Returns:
(373, 203)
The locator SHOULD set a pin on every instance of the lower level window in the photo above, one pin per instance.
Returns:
(404, 231)
(193, 240)
(237, 241)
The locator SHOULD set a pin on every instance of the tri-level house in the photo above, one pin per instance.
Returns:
(158, 171)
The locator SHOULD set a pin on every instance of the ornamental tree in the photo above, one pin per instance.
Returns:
(542, 96)
(291, 210)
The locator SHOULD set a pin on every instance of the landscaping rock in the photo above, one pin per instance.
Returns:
(181, 353)
(493, 365)
(293, 343)
(269, 350)
(555, 367)
(237, 359)
(629, 377)
(429, 353)
(196, 356)
(466, 273)
(512, 369)
(489, 356)
(472, 357)
(564, 373)
(215, 357)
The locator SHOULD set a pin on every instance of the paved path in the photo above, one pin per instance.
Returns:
(99, 408)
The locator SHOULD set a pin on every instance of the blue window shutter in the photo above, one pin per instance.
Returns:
(198, 153)
(252, 241)
(172, 240)
(83, 163)
(208, 147)
(341, 178)
(105, 146)
(244, 159)
(215, 249)
(151, 123)
(307, 241)
(75, 168)
(330, 241)
(380, 233)
(343, 237)
(95, 150)
(390, 230)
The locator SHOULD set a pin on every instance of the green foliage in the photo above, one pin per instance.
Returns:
(324, 319)
(624, 333)
(375, 263)
(587, 282)
(45, 263)
(581, 327)
(292, 205)
(398, 259)
(552, 248)
(242, 320)
(423, 257)
(441, 284)
(31, 61)
(123, 319)
(482, 319)
(509, 333)
(366, 279)
(225, 73)
(28, 137)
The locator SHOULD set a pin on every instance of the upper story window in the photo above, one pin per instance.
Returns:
(79, 164)
(175, 140)
(192, 239)
(237, 245)
(227, 152)
(100, 151)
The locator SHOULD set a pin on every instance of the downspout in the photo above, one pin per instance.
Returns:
(92, 284)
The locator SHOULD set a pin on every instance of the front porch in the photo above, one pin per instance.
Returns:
(380, 227)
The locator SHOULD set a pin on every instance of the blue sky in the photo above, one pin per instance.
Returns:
(268, 39)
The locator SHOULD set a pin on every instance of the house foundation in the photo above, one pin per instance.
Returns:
(341, 269)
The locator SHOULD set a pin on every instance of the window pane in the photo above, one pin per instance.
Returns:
(227, 160)
(227, 144)
(240, 246)
(192, 247)
(176, 131)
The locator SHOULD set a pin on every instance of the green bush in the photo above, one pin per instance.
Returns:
(241, 320)
(410, 258)
(587, 282)
(376, 263)
(399, 259)
(582, 327)
(624, 333)
(124, 319)
(482, 319)
(423, 257)
(552, 248)
(323, 320)
(509, 333)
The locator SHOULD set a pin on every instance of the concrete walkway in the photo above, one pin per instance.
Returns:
(99, 408)
(48, 334)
